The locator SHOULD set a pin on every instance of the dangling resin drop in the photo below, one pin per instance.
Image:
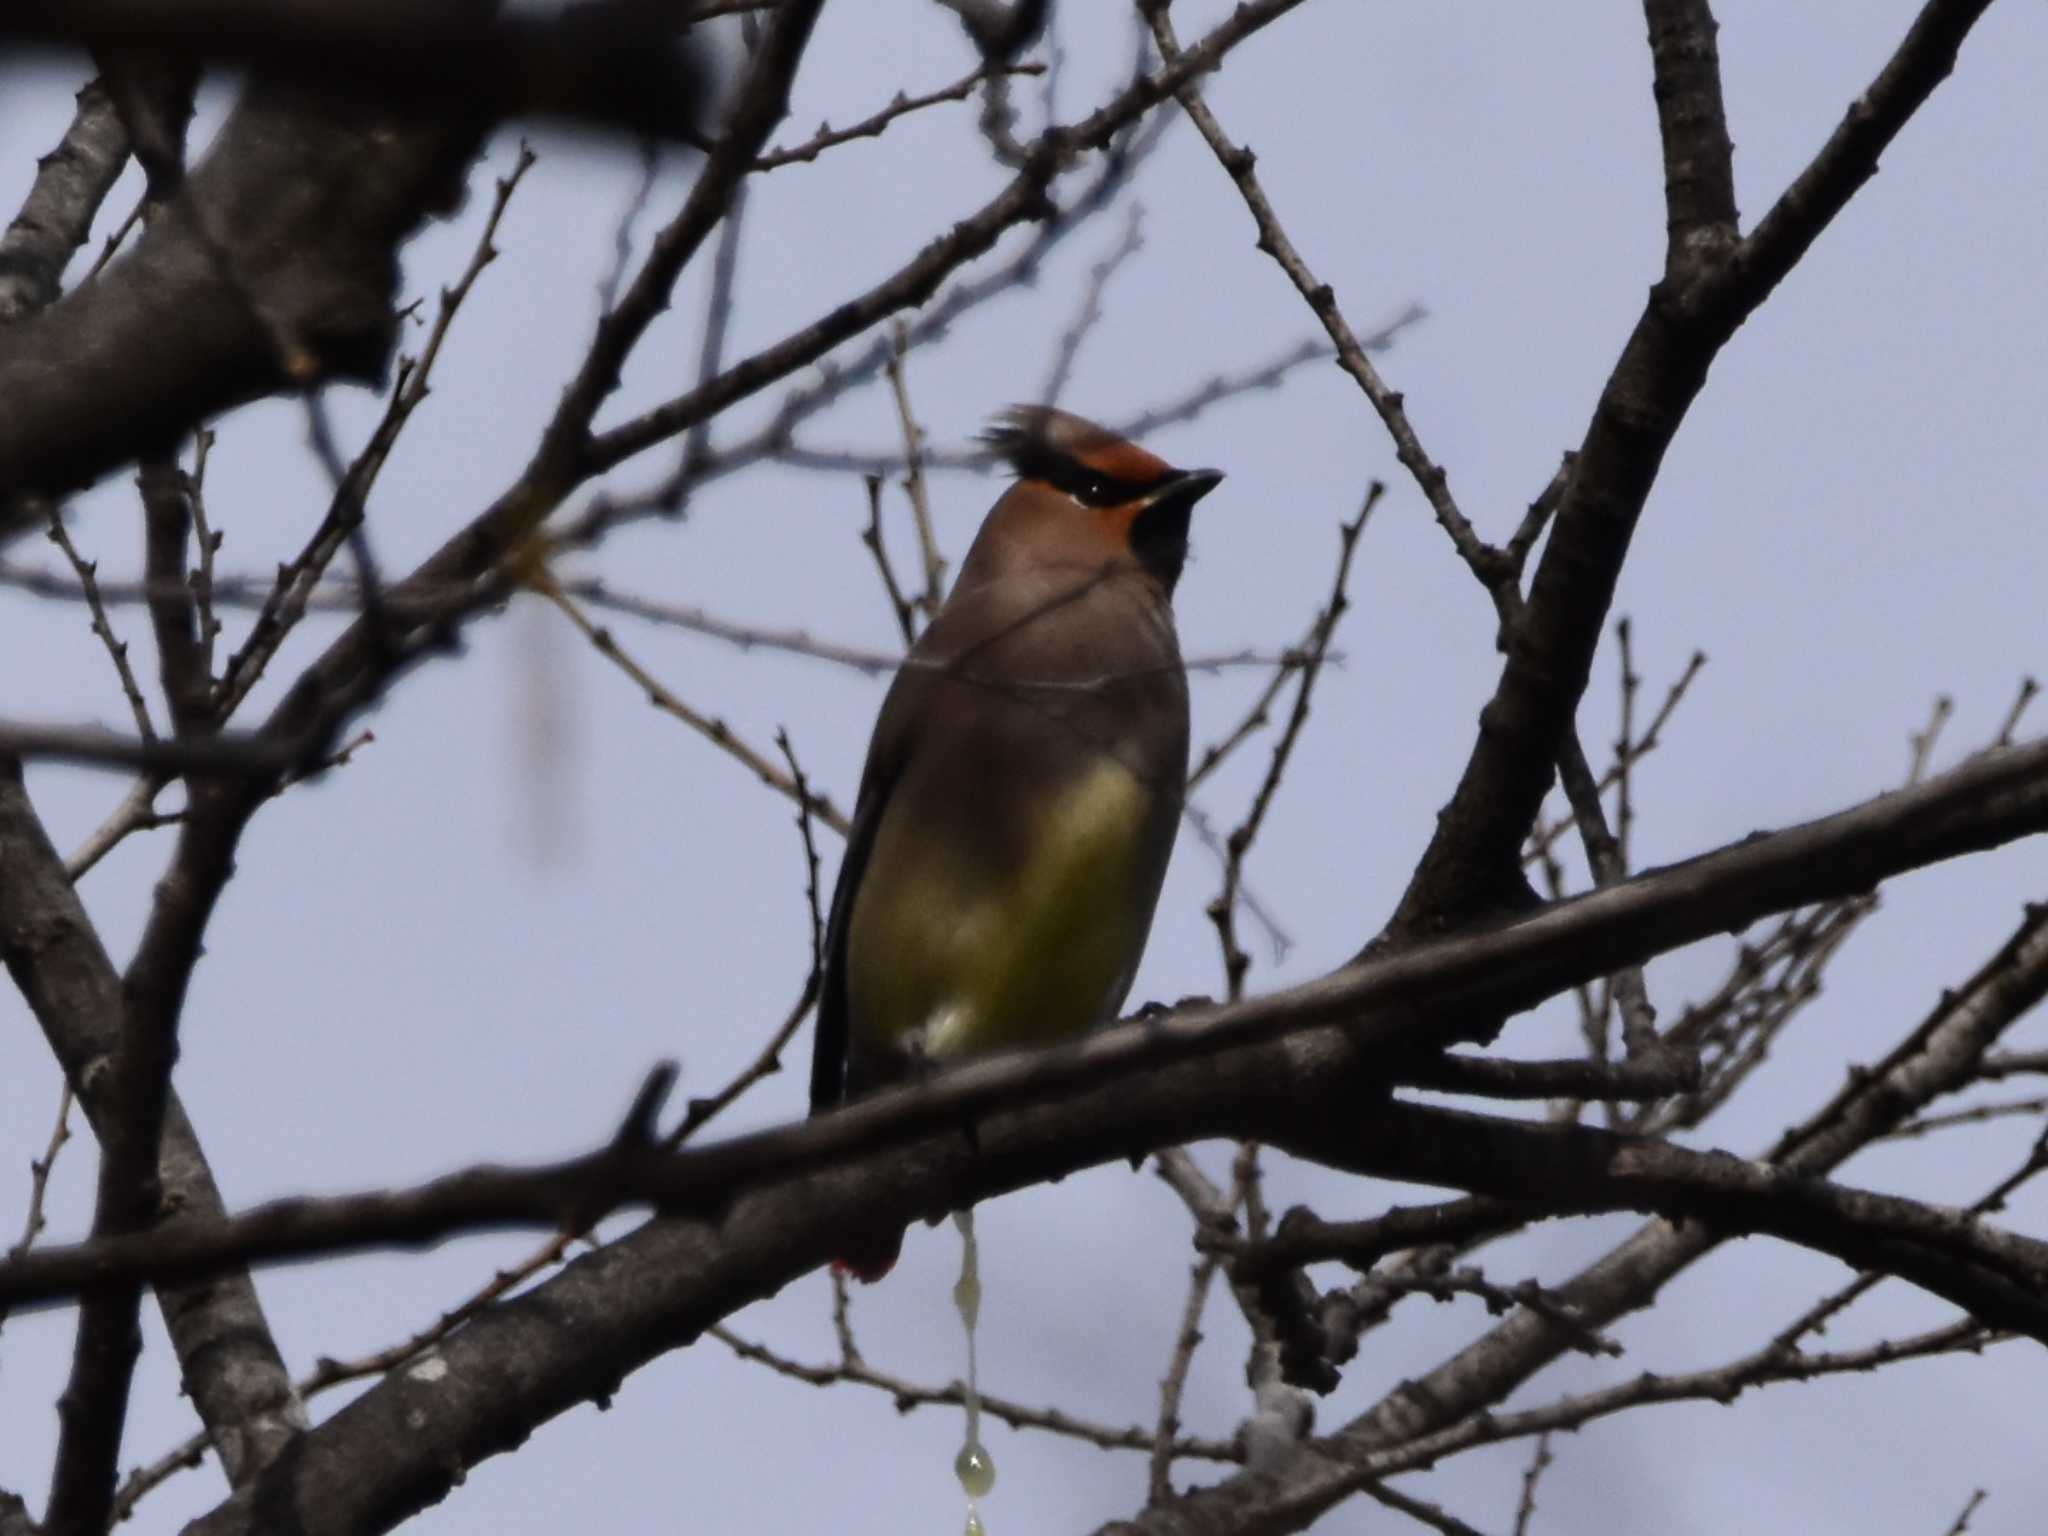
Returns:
(976, 1472)
(975, 1468)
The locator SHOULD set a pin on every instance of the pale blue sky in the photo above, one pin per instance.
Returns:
(459, 948)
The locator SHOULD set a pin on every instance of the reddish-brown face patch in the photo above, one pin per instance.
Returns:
(1116, 522)
(1123, 461)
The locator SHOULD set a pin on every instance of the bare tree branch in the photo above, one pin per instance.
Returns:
(117, 650)
(56, 217)
(908, 1395)
(317, 269)
(1223, 910)
(1150, 1065)
(875, 124)
(230, 1364)
(1699, 160)
(1238, 162)
(1449, 1407)
(1470, 866)
(614, 63)
(1024, 199)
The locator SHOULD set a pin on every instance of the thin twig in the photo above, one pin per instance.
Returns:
(1523, 540)
(1253, 721)
(842, 1317)
(1920, 745)
(908, 1395)
(1603, 854)
(836, 378)
(1545, 835)
(769, 1059)
(1185, 407)
(1223, 910)
(328, 1372)
(876, 123)
(183, 666)
(1500, 1299)
(1090, 313)
(136, 812)
(1418, 1510)
(114, 241)
(902, 607)
(1214, 1214)
(39, 1174)
(342, 595)
(1926, 1125)
(1539, 1462)
(2013, 1064)
(2028, 689)
(296, 579)
(622, 232)
(1159, 1482)
(1962, 1521)
(929, 598)
(1237, 163)
(717, 732)
(117, 650)
(1624, 795)
(1722, 1384)
(206, 544)
(719, 304)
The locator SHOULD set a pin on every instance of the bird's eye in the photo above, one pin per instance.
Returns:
(1095, 489)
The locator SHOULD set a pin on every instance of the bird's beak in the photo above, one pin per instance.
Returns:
(1186, 488)
(1159, 531)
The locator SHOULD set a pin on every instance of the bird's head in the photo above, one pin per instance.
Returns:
(1083, 488)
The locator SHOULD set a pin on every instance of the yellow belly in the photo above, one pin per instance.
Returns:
(944, 965)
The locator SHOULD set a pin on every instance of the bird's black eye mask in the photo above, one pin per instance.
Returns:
(1091, 487)
(1035, 459)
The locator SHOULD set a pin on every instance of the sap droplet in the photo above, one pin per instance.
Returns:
(976, 1469)
(967, 1300)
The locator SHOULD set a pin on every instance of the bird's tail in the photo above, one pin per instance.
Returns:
(872, 1257)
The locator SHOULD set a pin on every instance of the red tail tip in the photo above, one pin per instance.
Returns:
(873, 1259)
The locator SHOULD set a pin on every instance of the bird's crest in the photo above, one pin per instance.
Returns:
(1087, 461)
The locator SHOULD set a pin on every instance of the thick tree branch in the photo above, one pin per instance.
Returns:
(287, 234)
(1471, 864)
(231, 1367)
(244, 755)
(401, 1445)
(620, 64)
(56, 216)
(1849, 159)
(473, 570)
(1451, 1404)
(762, 104)
(1383, 1008)
(1022, 200)
(2001, 1278)
(1496, 1077)
(182, 644)
(136, 1091)
(1699, 161)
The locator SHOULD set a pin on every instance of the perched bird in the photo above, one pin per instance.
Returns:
(1024, 781)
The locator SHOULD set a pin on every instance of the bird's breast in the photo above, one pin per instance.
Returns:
(963, 942)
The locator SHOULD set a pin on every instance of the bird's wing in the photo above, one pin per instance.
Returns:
(888, 753)
(828, 1051)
